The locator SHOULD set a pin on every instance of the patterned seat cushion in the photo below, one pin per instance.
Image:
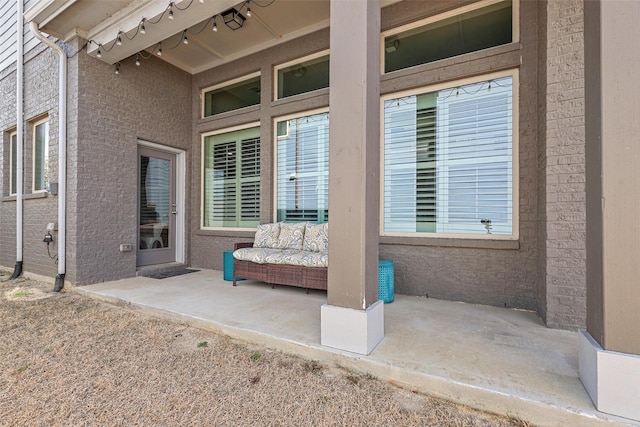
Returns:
(257, 255)
(283, 256)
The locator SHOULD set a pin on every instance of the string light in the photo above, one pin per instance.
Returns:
(169, 11)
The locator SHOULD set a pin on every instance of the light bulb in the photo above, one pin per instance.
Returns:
(99, 54)
(137, 59)
(185, 40)
(215, 27)
(170, 10)
(159, 52)
(143, 30)
(248, 12)
(119, 40)
(117, 68)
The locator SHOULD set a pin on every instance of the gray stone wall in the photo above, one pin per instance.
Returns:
(495, 273)
(109, 113)
(564, 166)
(40, 101)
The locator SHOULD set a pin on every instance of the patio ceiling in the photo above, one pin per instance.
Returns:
(271, 22)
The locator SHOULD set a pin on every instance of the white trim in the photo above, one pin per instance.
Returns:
(225, 84)
(274, 149)
(34, 125)
(357, 331)
(202, 141)
(515, 23)
(181, 196)
(515, 168)
(612, 379)
(296, 61)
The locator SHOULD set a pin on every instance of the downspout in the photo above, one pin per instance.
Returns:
(62, 153)
(17, 271)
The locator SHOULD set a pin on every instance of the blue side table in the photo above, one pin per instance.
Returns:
(386, 280)
(228, 266)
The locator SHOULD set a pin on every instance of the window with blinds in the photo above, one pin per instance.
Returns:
(302, 163)
(13, 148)
(448, 160)
(231, 174)
(40, 156)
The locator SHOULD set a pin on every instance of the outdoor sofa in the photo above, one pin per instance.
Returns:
(293, 254)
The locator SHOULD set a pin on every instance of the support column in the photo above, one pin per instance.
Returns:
(353, 318)
(610, 347)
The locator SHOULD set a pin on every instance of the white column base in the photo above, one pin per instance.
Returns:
(357, 331)
(612, 379)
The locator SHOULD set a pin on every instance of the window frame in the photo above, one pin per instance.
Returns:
(301, 60)
(275, 148)
(515, 170)
(515, 27)
(13, 147)
(203, 137)
(223, 85)
(34, 125)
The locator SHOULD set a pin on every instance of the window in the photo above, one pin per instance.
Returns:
(40, 155)
(303, 75)
(13, 166)
(302, 168)
(231, 179)
(232, 95)
(487, 24)
(448, 159)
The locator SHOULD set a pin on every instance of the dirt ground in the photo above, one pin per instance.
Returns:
(68, 360)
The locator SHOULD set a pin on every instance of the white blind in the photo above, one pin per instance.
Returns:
(231, 193)
(303, 169)
(448, 160)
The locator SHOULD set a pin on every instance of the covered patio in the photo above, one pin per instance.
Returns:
(493, 359)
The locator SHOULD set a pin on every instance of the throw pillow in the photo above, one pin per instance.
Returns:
(291, 235)
(267, 236)
(316, 238)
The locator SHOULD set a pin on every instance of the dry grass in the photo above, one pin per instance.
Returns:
(70, 360)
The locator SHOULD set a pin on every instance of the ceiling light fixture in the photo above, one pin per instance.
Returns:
(233, 19)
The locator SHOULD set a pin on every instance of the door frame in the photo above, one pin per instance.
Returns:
(181, 199)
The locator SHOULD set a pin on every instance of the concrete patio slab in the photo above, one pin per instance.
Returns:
(498, 360)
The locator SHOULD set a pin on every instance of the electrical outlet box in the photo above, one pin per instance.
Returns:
(52, 226)
(126, 247)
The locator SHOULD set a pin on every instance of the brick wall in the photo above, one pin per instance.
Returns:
(563, 164)
(41, 99)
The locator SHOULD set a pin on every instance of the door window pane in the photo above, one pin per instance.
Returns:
(155, 202)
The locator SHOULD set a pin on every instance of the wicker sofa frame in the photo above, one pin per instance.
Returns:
(279, 274)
